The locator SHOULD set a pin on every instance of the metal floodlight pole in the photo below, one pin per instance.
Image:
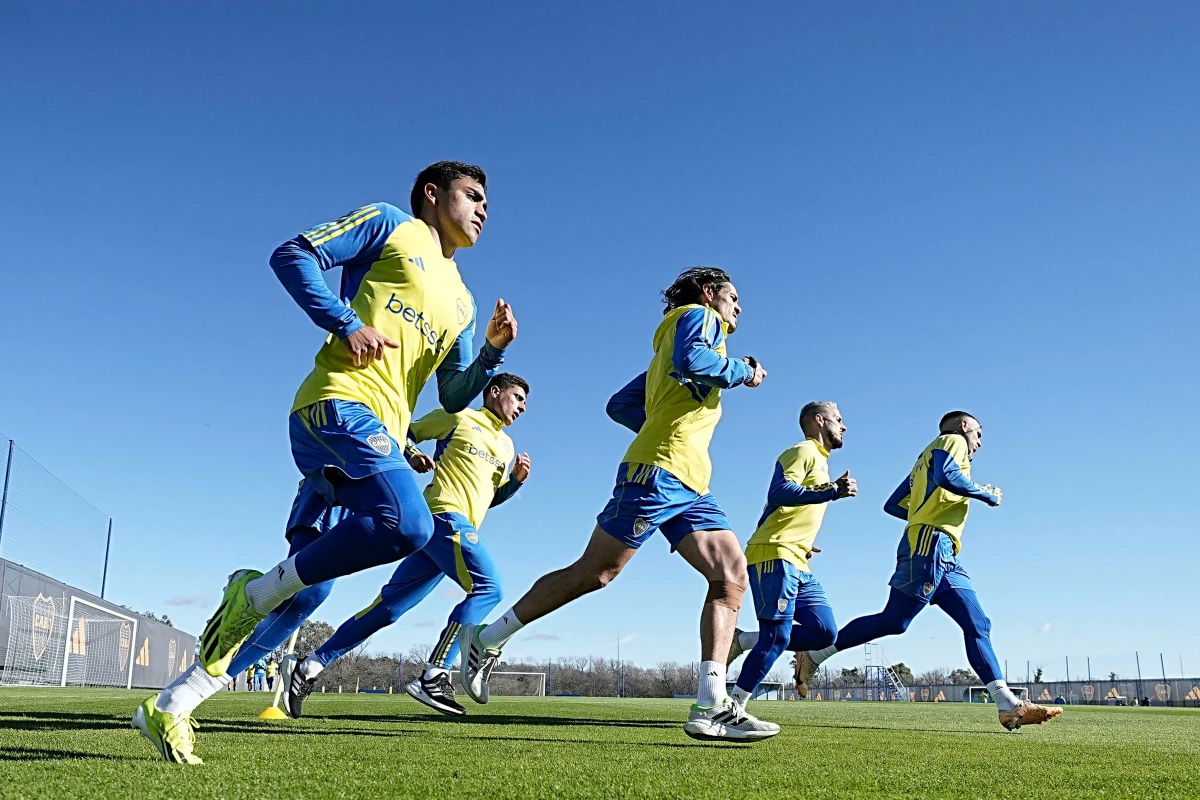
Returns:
(1138, 659)
(4, 496)
(1089, 660)
(107, 545)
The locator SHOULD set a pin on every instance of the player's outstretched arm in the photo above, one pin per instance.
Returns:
(518, 476)
(697, 334)
(437, 424)
(628, 406)
(947, 474)
(897, 504)
(460, 380)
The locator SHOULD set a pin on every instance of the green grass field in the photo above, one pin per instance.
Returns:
(78, 743)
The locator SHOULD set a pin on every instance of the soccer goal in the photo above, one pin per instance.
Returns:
(511, 684)
(36, 634)
(99, 648)
(980, 694)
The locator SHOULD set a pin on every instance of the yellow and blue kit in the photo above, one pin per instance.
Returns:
(933, 501)
(394, 279)
(472, 455)
(789, 602)
(674, 407)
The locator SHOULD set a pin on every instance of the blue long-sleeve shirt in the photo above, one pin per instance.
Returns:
(506, 490)
(355, 243)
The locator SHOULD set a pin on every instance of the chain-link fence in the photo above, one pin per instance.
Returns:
(47, 526)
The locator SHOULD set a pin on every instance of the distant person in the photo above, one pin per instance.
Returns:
(933, 502)
(792, 609)
(260, 677)
(470, 466)
(402, 315)
(271, 669)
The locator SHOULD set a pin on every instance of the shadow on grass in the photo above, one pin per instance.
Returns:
(602, 743)
(900, 730)
(508, 719)
(51, 720)
(44, 754)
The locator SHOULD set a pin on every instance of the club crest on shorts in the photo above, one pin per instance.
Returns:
(381, 443)
(781, 604)
(640, 526)
(927, 590)
(473, 538)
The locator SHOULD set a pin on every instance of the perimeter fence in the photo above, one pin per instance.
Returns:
(48, 527)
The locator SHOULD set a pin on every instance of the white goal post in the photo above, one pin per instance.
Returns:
(99, 646)
(766, 690)
(980, 694)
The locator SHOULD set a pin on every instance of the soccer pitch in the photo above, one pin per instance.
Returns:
(75, 743)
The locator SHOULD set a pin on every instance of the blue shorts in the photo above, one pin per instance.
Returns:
(931, 569)
(648, 498)
(342, 435)
(780, 588)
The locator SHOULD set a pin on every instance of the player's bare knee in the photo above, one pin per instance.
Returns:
(726, 593)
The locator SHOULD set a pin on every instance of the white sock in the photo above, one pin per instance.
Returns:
(1004, 698)
(820, 656)
(432, 671)
(276, 585)
(711, 692)
(189, 690)
(748, 639)
(740, 696)
(311, 668)
(497, 634)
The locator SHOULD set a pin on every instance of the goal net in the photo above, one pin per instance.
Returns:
(36, 634)
(99, 646)
(980, 694)
(510, 684)
(55, 641)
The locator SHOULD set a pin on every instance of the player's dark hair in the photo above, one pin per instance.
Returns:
(811, 410)
(441, 175)
(505, 380)
(688, 288)
(953, 418)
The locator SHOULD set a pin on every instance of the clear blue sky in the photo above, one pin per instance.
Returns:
(924, 208)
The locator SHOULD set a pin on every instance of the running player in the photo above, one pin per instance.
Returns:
(402, 315)
(781, 582)
(662, 483)
(933, 502)
(470, 462)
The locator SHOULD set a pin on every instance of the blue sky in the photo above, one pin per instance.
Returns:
(924, 208)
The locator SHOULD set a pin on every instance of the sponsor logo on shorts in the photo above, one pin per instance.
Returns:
(640, 526)
(381, 443)
(927, 590)
(781, 604)
(473, 538)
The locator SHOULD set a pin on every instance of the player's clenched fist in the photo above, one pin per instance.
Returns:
(759, 372)
(366, 345)
(846, 486)
(520, 469)
(422, 463)
(502, 327)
